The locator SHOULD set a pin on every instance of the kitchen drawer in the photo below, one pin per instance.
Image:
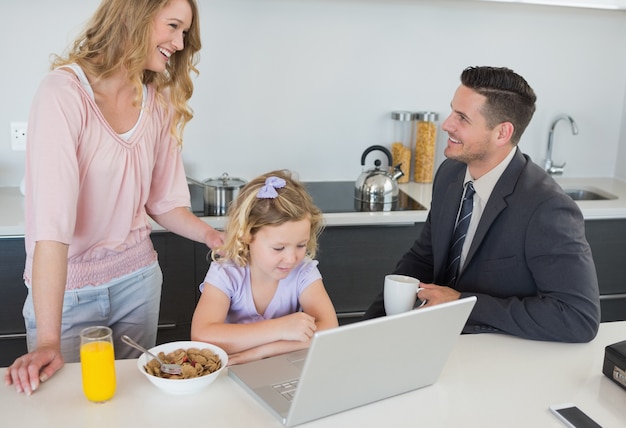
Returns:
(607, 239)
(12, 295)
(173, 332)
(613, 307)
(11, 347)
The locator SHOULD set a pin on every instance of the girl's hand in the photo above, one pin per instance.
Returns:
(244, 357)
(298, 326)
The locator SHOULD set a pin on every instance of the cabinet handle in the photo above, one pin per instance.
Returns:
(12, 336)
(613, 296)
(350, 314)
(166, 326)
(23, 335)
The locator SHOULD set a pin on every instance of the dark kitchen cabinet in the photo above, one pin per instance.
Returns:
(607, 239)
(178, 295)
(354, 260)
(12, 295)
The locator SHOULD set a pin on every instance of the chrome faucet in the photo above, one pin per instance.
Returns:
(549, 165)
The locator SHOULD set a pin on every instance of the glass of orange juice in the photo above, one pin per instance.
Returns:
(98, 363)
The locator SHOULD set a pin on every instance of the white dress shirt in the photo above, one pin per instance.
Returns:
(483, 186)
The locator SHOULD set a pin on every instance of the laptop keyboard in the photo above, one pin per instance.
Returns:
(287, 389)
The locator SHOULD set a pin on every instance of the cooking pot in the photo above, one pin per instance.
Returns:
(218, 193)
(377, 189)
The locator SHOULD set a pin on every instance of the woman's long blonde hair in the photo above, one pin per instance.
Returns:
(119, 35)
(248, 213)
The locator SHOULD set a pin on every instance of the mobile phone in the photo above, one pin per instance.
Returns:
(572, 416)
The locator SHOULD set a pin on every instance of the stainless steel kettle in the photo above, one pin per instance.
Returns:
(377, 189)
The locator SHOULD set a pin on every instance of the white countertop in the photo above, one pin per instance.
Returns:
(490, 380)
(11, 212)
(12, 203)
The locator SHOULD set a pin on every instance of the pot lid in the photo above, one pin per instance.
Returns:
(225, 181)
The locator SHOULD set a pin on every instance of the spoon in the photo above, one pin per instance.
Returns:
(173, 369)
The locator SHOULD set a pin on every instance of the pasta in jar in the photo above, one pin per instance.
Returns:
(425, 145)
(402, 142)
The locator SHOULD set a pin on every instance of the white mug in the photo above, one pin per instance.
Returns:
(400, 293)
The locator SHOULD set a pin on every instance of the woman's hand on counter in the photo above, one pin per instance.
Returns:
(30, 370)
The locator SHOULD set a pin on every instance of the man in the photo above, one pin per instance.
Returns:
(524, 256)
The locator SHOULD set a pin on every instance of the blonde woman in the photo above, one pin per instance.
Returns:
(104, 139)
(264, 296)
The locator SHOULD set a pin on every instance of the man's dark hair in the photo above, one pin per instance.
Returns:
(509, 97)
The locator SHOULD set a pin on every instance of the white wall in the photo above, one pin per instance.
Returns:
(309, 84)
(620, 163)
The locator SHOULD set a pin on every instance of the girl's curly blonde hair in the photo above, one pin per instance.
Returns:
(248, 213)
(119, 35)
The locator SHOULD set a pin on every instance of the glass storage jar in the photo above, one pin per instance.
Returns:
(401, 147)
(425, 144)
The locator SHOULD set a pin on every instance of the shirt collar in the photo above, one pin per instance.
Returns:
(485, 184)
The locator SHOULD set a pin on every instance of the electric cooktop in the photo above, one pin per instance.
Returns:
(338, 197)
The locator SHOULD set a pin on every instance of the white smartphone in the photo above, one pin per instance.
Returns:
(572, 416)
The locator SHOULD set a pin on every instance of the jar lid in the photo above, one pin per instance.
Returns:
(402, 115)
(427, 116)
(225, 181)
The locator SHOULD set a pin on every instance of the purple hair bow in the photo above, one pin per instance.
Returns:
(268, 191)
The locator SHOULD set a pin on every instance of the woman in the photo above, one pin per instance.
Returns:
(105, 132)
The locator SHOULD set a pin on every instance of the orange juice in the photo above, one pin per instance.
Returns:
(98, 366)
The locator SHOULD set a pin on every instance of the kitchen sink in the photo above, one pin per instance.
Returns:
(588, 194)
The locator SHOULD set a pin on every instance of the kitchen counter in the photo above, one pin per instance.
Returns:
(12, 203)
(490, 380)
(12, 212)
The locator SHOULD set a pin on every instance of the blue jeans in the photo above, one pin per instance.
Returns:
(128, 305)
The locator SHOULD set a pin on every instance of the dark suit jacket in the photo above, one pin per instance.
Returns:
(529, 264)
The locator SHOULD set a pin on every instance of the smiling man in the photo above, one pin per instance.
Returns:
(500, 228)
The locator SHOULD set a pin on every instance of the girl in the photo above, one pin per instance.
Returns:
(264, 295)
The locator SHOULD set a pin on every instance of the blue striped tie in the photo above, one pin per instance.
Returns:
(460, 231)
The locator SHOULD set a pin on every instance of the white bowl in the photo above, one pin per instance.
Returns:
(182, 386)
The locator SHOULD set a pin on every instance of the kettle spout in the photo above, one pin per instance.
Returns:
(397, 172)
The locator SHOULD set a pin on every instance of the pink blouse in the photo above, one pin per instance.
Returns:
(89, 188)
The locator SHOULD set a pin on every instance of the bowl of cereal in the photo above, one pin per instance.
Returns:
(201, 362)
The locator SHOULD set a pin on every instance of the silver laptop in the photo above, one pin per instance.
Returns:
(342, 368)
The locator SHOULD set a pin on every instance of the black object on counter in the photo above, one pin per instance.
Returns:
(615, 363)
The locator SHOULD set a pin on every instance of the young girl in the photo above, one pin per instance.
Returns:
(264, 295)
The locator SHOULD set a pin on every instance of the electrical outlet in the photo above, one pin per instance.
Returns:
(18, 136)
